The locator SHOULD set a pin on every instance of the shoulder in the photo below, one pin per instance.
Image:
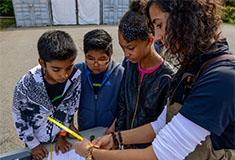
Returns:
(117, 67)
(33, 75)
(211, 101)
(30, 79)
(221, 74)
(168, 68)
(80, 66)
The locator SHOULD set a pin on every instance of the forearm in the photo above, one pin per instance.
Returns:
(24, 130)
(142, 134)
(129, 154)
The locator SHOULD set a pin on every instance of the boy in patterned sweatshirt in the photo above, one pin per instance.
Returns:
(49, 89)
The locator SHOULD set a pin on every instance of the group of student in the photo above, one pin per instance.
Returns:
(150, 111)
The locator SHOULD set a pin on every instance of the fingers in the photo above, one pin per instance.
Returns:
(45, 152)
(96, 142)
(65, 148)
(82, 147)
(39, 152)
(57, 148)
(38, 156)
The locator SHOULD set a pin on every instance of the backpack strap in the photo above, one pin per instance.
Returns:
(212, 61)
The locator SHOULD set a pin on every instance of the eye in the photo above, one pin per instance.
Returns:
(69, 68)
(102, 59)
(158, 25)
(55, 70)
(90, 58)
(131, 48)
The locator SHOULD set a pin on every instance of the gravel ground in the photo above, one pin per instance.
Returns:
(18, 53)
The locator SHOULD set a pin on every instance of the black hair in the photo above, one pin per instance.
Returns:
(56, 45)
(134, 24)
(192, 26)
(98, 39)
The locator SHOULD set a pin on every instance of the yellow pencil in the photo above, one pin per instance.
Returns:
(65, 128)
(51, 150)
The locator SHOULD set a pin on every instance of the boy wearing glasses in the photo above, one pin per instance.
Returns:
(101, 79)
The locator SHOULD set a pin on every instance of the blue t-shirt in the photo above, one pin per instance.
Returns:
(211, 103)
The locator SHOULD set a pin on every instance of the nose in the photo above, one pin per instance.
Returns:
(65, 75)
(126, 53)
(158, 37)
(96, 64)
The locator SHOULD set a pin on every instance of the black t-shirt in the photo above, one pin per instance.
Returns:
(55, 92)
(211, 103)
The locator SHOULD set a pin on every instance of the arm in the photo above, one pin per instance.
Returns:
(174, 141)
(121, 115)
(24, 130)
(85, 149)
(135, 136)
(143, 134)
(136, 154)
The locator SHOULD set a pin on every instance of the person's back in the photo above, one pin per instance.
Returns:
(49, 89)
(147, 76)
(101, 78)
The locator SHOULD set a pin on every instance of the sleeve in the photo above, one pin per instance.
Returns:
(160, 122)
(175, 140)
(19, 113)
(121, 110)
(211, 102)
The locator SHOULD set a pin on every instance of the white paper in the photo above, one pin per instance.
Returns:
(70, 155)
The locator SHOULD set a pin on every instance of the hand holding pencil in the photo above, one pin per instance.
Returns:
(84, 147)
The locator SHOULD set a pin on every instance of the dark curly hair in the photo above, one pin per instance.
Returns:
(134, 24)
(192, 26)
(98, 39)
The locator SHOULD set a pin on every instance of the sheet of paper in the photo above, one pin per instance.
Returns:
(71, 155)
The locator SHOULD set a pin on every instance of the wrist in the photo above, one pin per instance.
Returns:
(117, 140)
(62, 134)
(90, 153)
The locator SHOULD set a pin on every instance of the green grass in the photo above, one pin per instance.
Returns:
(6, 23)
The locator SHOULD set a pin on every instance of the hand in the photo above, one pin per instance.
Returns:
(39, 152)
(62, 145)
(105, 142)
(83, 147)
(109, 130)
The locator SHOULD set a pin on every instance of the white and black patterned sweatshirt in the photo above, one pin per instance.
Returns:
(32, 106)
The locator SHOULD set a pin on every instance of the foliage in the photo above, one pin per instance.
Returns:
(6, 8)
(228, 14)
(6, 23)
(229, 3)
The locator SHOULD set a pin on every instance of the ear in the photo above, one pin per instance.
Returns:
(151, 39)
(42, 62)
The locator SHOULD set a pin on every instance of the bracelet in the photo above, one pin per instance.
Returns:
(121, 146)
(115, 141)
(89, 156)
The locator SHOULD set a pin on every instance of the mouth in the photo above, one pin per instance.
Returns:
(61, 80)
(131, 60)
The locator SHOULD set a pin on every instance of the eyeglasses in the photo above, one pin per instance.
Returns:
(99, 62)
